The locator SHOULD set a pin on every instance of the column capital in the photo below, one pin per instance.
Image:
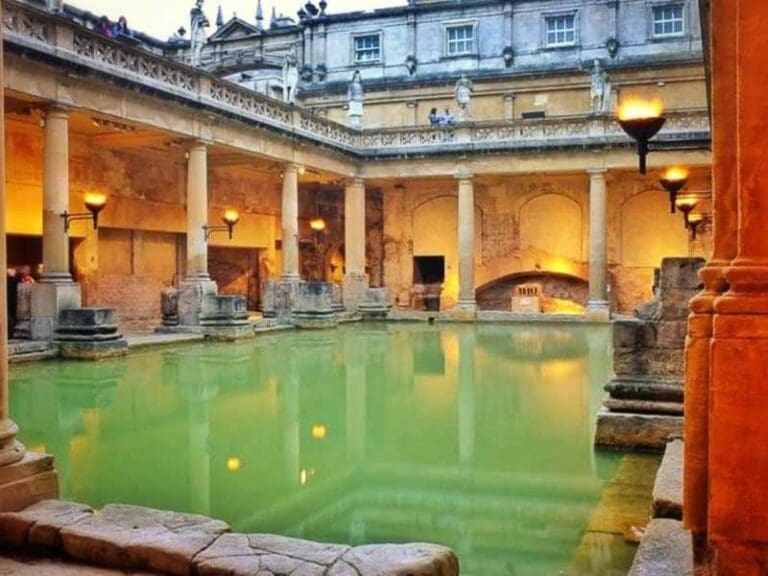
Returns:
(196, 145)
(596, 172)
(463, 174)
(293, 167)
(354, 181)
(56, 110)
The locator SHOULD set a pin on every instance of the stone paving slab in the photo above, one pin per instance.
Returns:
(668, 489)
(34, 566)
(159, 339)
(136, 538)
(665, 550)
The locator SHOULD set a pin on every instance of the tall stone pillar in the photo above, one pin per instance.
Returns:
(290, 218)
(25, 478)
(700, 322)
(738, 469)
(598, 308)
(355, 281)
(197, 284)
(466, 303)
(56, 291)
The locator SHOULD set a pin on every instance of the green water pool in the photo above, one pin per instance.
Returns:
(478, 437)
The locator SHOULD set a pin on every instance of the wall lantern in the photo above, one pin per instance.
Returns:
(686, 206)
(694, 221)
(94, 203)
(673, 180)
(641, 120)
(230, 219)
(317, 224)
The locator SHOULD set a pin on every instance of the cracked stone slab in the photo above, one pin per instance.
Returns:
(668, 488)
(41, 523)
(403, 560)
(665, 550)
(137, 538)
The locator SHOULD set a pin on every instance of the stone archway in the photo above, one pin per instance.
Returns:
(561, 293)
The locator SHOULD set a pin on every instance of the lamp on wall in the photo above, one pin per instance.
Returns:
(95, 203)
(686, 206)
(673, 180)
(230, 219)
(317, 224)
(694, 221)
(641, 120)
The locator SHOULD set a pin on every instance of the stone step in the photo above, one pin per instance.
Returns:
(668, 489)
(643, 406)
(646, 388)
(625, 431)
(137, 538)
(665, 550)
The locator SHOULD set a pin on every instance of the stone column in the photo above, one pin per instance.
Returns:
(290, 218)
(25, 478)
(737, 468)
(700, 322)
(56, 291)
(466, 217)
(355, 281)
(197, 284)
(598, 308)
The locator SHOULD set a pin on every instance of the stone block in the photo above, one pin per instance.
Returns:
(137, 538)
(354, 290)
(225, 318)
(28, 481)
(89, 334)
(169, 307)
(98, 350)
(665, 363)
(636, 431)
(191, 296)
(48, 299)
(646, 388)
(376, 304)
(680, 274)
(675, 302)
(668, 488)
(279, 299)
(313, 306)
(671, 333)
(41, 523)
(643, 406)
(23, 327)
(665, 550)
(634, 333)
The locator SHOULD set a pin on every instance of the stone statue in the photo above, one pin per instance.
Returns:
(290, 78)
(464, 97)
(198, 38)
(355, 97)
(600, 93)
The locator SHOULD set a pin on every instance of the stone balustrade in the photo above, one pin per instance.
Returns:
(49, 36)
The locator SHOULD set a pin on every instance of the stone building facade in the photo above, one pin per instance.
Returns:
(539, 150)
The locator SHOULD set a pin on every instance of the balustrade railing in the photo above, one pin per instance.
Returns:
(37, 30)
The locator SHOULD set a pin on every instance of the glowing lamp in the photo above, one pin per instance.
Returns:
(694, 221)
(95, 203)
(231, 218)
(686, 206)
(641, 120)
(317, 224)
(673, 180)
(319, 431)
(234, 464)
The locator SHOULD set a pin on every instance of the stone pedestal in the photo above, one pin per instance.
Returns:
(27, 482)
(279, 299)
(225, 318)
(354, 289)
(375, 304)
(313, 308)
(192, 293)
(23, 328)
(169, 306)
(89, 334)
(48, 300)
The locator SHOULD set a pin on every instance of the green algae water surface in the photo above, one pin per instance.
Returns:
(475, 437)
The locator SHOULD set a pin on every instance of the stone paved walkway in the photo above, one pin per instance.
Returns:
(31, 566)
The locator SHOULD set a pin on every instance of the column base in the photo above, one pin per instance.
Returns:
(27, 482)
(50, 297)
(279, 298)
(354, 288)
(598, 311)
(464, 311)
(192, 292)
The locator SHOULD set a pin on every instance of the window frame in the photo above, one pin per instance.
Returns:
(448, 26)
(354, 50)
(660, 5)
(549, 16)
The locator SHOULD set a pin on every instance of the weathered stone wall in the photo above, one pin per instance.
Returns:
(564, 294)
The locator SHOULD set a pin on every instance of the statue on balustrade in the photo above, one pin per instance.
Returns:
(355, 98)
(601, 90)
(198, 38)
(464, 97)
(290, 78)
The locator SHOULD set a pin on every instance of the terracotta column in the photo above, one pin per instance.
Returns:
(355, 281)
(290, 216)
(598, 308)
(700, 322)
(466, 195)
(197, 212)
(11, 451)
(738, 466)
(56, 291)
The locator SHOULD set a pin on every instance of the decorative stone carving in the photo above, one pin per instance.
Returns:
(89, 334)
(199, 22)
(306, 73)
(612, 45)
(410, 64)
(509, 56)
(600, 91)
(527, 299)
(169, 306)
(463, 93)
(355, 98)
(290, 78)
(322, 72)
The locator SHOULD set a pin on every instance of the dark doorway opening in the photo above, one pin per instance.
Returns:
(428, 269)
(236, 271)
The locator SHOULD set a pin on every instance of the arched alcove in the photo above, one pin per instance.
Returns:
(553, 224)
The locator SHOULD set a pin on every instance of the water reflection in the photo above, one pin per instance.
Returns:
(476, 437)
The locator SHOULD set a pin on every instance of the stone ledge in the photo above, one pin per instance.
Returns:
(636, 431)
(136, 538)
(665, 550)
(668, 489)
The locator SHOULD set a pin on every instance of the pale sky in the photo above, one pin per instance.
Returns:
(160, 18)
